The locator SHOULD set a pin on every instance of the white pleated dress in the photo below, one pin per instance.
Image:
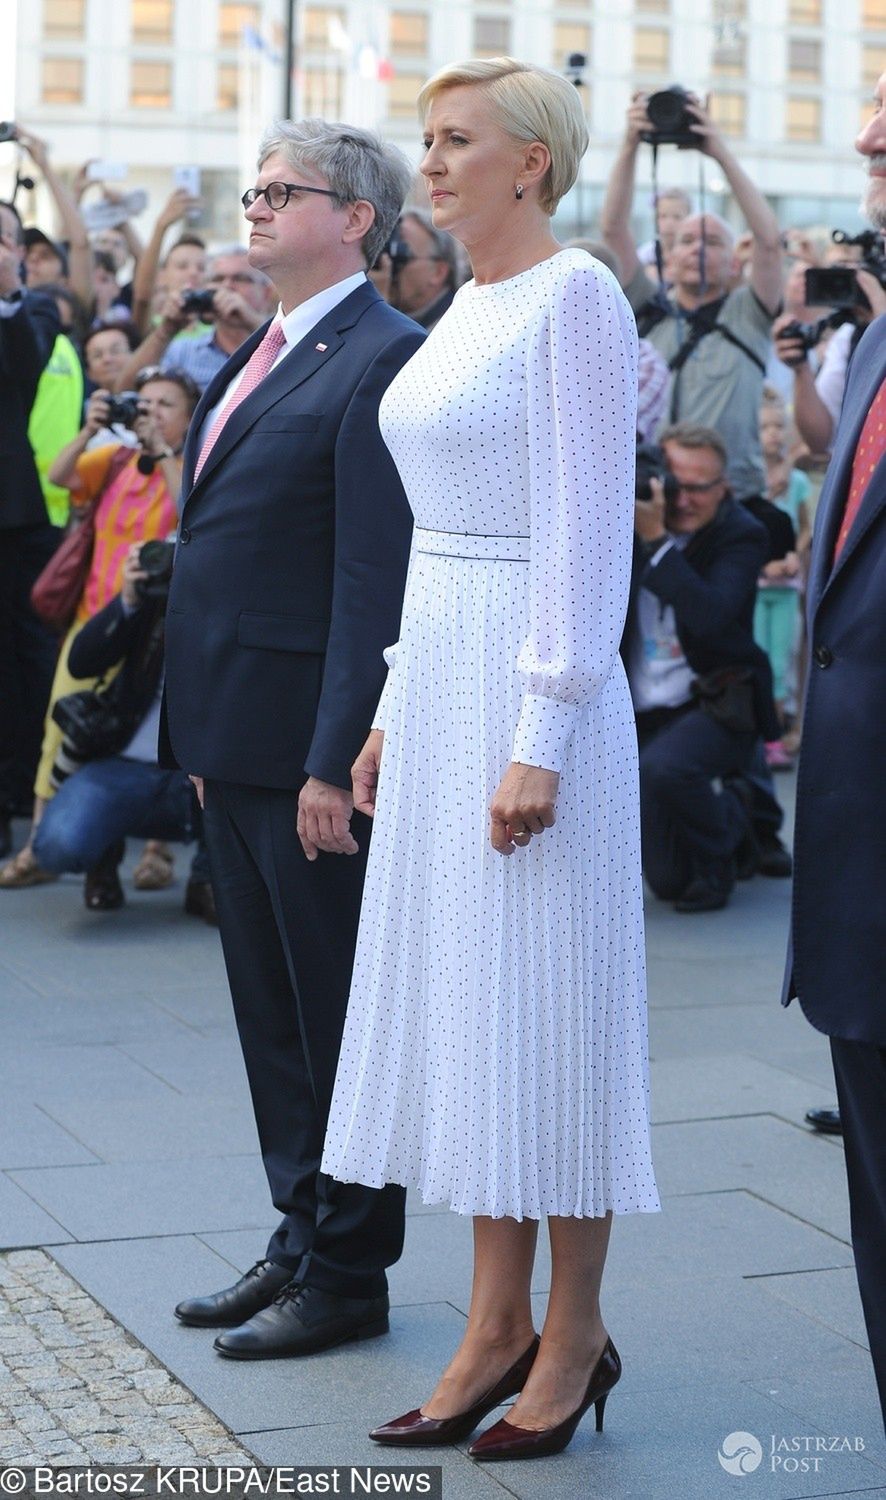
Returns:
(495, 1051)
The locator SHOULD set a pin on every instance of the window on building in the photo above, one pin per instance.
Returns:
(652, 49)
(729, 111)
(729, 58)
(492, 36)
(231, 21)
(803, 119)
(152, 21)
(873, 15)
(316, 27)
(658, 7)
(873, 62)
(62, 80)
(63, 19)
(805, 12)
(150, 85)
(409, 33)
(403, 91)
(570, 36)
(227, 86)
(804, 60)
(321, 93)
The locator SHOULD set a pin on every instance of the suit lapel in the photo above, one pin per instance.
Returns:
(212, 394)
(317, 347)
(869, 362)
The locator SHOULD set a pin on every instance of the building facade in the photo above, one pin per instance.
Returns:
(159, 84)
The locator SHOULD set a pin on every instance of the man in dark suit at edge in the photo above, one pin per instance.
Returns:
(288, 584)
(837, 965)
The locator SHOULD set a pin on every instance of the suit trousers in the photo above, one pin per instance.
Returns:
(288, 929)
(28, 655)
(860, 1071)
(688, 827)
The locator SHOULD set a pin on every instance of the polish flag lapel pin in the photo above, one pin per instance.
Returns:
(321, 348)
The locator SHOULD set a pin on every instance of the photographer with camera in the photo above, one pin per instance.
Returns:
(235, 301)
(818, 395)
(111, 786)
(716, 341)
(702, 688)
(417, 272)
(123, 494)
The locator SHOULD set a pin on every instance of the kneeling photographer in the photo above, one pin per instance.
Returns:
(109, 783)
(702, 688)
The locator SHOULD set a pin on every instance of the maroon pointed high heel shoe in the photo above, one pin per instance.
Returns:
(414, 1430)
(505, 1440)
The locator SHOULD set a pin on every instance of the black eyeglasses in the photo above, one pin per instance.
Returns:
(278, 194)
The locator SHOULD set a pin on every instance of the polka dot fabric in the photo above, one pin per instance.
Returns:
(495, 1048)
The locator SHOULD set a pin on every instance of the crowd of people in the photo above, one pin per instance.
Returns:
(632, 438)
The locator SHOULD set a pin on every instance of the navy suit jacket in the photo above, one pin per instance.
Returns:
(26, 342)
(293, 546)
(838, 959)
(711, 585)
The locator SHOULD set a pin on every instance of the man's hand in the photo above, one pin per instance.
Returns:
(172, 318)
(710, 137)
(874, 293)
(789, 349)
(132, 574)
(177, 206)
(637, 119)
(324, 819)
(198, 787)
(364, 773)
(36, 147)
(523, 807)
(231, 308)
(10, 267)
(147, 429)
(649, 515)
(97, 411)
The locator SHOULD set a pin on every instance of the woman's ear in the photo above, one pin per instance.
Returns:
(536, 159)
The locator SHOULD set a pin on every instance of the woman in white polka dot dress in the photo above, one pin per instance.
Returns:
(494, 1053)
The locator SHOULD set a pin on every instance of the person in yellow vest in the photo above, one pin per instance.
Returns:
(56, 414)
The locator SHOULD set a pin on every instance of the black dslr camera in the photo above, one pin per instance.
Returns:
(200, 302)
(837, 286)
(156, 559)
(672, 121)
(652, 464)
(398, 253)
(123, 409)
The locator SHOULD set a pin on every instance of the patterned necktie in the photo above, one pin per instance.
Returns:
(257, 367)
(871, 447)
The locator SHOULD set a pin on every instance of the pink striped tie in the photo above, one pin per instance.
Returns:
(257, 367)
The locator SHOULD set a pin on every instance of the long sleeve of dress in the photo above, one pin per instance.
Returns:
(582, 426)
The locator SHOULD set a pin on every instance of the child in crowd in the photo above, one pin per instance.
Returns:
(777, 613)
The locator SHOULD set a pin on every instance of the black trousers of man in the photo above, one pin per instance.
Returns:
(689, 828)
(860, 1071)
(28, 656)
(288, 929)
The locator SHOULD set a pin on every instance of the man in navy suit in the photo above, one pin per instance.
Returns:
(837, 966)
(288, 583)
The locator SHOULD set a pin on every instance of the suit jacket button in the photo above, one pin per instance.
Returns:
(184, 536)
(823, 656)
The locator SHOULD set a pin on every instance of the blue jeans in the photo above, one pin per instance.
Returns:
(105, 801)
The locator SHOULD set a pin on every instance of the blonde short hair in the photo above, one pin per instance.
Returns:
(531, 104)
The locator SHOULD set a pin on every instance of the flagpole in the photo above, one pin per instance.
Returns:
(289, 59)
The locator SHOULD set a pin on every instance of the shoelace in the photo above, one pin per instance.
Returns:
(291, 1292)
(257, 1268)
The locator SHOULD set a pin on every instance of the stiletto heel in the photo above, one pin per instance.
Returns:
(415, 1430)
(505, 1440)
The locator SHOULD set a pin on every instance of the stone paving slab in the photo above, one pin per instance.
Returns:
(725, 1087)
(23, 1222)
(163, 1197)
(48, 1076)
(30, 1138)
(76, 1388)
(138, 1131)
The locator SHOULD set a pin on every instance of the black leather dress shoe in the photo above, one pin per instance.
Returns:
(708, 892)
(825, 1121)
(231, 1307)
(200, 901)
(304, 1320)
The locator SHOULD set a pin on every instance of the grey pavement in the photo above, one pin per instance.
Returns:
(128, 1153)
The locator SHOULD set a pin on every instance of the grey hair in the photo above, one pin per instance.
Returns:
(445, 247)
(356, 163)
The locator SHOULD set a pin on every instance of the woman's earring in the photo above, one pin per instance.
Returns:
(519, 190)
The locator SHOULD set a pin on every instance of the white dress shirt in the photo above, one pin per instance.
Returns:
(295, 324)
